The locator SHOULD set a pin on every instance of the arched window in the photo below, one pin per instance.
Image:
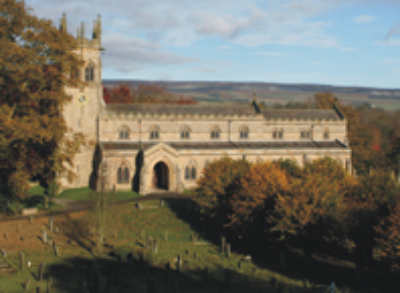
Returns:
(194, 173)
(185, 132)
(123, 175)
(124, 132)
(244, 132)
(155, 132)
(326, 133)
(89, 73)
(215, 133)
(277, 134)
(191, 171)
(187, 173)
(305, 134)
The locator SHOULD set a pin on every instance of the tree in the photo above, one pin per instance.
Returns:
(366, 205)
(35, 58)
(215, 185)
(254, 197)
(388, 237)
(307, 212)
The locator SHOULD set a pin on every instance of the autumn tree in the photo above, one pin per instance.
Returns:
(306, 214)
(254, 197)
(215, 186)
(35, 58)
(368, 203)
(388, 237)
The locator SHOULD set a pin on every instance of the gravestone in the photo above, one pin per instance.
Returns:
(41, 271)
(228, 250)
(21, 260)
(44, 238)
(223, 244)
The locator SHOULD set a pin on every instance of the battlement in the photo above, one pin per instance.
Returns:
(84, 42)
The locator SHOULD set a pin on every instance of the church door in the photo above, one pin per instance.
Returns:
(161, 180)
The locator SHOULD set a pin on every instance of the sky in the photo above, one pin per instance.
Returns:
(336, 42)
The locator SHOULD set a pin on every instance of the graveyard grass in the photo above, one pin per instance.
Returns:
(128, 232)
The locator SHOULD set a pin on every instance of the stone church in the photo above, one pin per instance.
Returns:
(154, 147)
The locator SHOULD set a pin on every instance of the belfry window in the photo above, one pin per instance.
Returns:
(123, 175)
(244, 132)
(89, 73)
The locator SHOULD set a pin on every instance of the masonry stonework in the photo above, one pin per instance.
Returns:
(175, 143)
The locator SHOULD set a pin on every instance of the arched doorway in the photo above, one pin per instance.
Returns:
(161, 176)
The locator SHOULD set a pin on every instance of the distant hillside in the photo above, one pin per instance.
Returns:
(271, 93)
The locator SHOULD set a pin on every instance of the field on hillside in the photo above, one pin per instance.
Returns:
(149, 247)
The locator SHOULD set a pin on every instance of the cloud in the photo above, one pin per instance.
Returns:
(127, 54)
(364, 18)
(391, 61)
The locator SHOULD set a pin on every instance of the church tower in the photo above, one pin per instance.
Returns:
(81, 114)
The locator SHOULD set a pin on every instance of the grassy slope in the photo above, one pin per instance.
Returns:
(128, 230)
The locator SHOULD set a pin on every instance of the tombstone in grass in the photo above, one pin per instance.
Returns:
(179, 263)
(21, 260)
(223, 244)
(161, 203)
(51, 223)
(44, 237)
(138, 206)
(56, 249)
(228, 250)
(41, 271)
(155, 246)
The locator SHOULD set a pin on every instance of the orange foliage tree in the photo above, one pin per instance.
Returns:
(35, 58)
(307, 213)
(253, 198)
(216, 184)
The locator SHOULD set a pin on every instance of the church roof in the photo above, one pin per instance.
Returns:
(168, 109)
(300, 114)
(227, 145)
(223, 110)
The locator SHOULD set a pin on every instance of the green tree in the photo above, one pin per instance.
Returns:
(35, 58)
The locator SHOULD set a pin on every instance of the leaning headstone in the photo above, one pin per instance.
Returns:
(21, 260)
(41, 271)
(155, 246)
(138, 206)
(56, 249)
(51, 223)
(161, 203)
(228, 250)
(44, 238)
(179, 262)
(223, 244)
